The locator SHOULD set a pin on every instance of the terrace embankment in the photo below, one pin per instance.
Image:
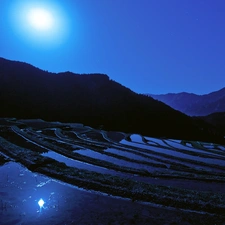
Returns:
(172, 173)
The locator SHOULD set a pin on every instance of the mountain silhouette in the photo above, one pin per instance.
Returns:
(92, 99)
(217, 120)
(195, 105)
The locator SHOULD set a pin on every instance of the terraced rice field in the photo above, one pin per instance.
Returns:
(176, 174)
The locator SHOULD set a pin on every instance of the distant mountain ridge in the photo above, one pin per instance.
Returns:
(92, 99)
(195, 105)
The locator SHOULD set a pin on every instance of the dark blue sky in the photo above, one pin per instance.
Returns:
(150, 46)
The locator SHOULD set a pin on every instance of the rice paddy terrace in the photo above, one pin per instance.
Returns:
(175, 174)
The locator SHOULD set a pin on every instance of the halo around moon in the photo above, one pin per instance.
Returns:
(41, 24)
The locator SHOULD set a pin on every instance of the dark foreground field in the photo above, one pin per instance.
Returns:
(89, 176)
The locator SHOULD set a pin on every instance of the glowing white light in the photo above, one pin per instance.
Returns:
(41, 203)
(40, 18)
(40, 24)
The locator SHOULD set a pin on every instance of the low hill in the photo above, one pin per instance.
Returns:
(92, 99)
(217, 120)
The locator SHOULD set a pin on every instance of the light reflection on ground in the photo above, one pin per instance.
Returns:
(21, 190)
(172, 168)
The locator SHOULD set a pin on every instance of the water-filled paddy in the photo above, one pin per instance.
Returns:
(181, 177)
(114, 160)
(78, 164)
(64, 204)
(171, 152)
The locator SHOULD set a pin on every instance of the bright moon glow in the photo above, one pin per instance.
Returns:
(40, 24)
(41, 203)
(40, 19)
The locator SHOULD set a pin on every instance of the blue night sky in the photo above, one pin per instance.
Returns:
(150, 46)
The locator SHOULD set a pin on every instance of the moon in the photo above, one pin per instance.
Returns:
(40, 19)
(40, 24)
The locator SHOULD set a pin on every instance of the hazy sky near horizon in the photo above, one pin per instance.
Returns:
(150, 46)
